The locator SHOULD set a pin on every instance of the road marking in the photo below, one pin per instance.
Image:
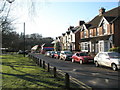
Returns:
(83, 85)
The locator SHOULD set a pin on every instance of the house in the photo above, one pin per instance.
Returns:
(102, 32)
(68, 39)
(57, 44)
(77, 35)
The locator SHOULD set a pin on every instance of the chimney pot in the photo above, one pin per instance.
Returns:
(101, 11)
(81, 23)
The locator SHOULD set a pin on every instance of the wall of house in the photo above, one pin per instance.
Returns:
(108, 29)
(81, 35)
(117, 33)
(100, 31)
(87, 34)
(92, 32)
(77, 41)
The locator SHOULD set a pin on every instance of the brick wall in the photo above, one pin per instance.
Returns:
(100, 31)
(117, 33)
(77, 40)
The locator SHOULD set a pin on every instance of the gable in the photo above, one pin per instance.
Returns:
(103, 20)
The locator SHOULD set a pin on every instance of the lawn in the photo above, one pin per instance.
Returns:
(22, 72)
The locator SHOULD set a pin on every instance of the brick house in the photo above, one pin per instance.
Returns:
(102, 32)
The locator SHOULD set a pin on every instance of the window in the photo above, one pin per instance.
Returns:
(66, 39)
(100, 46)
(86, 46)
(90, 33)
(85, 34)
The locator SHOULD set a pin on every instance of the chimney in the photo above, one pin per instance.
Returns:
(70, 28)
(101, 11)
(81, 23)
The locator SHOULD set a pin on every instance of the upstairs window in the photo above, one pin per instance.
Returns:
(91, 33)
(85, 34)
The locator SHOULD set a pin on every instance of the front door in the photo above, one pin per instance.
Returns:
(105, 46)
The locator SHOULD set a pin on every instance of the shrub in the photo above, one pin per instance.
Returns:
(115, 49)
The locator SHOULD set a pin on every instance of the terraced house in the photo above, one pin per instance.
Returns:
(69, 39)
(102, 32)
(98, 35)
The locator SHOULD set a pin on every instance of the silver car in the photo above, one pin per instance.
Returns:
(109, 59)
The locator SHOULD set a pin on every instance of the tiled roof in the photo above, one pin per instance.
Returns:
(109, 16)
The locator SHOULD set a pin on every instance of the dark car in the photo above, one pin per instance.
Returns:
(23, 52)
(82, 57)
(52, 54)
(66, 55)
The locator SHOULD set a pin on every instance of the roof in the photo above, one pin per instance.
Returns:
(109, 19)
(110, 15)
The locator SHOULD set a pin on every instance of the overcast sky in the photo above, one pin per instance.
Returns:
(51, 18)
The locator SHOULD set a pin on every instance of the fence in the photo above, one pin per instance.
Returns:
(57, 72)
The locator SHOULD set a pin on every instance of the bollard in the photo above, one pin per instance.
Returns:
(67, 81)
(37, 60)
(54, 71)
(48, 67)
(40, 62)
(44, 64)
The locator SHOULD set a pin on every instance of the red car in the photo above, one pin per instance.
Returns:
(82, 57)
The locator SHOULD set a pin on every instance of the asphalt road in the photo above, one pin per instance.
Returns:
(95, 77)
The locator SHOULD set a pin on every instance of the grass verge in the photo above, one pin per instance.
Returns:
(22, 72)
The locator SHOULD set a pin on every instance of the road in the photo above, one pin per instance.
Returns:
(95, 77)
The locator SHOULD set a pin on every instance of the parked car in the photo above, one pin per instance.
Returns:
(82, 57)
(47, 53)
(57, 54)
(23, 52)
(109, 59)
(52, 54)
(65, 55)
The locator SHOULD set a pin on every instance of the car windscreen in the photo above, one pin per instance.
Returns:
(68, 52)
(52, 52)
(114, 54)
(83, 54)
(58, 52)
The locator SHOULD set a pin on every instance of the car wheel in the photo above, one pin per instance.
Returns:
(64, 59)
(81, 62)
(96, 64)
(73, 60)
(114, 67)
(58, 57)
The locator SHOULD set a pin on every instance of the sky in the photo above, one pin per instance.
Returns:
(51, 18)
